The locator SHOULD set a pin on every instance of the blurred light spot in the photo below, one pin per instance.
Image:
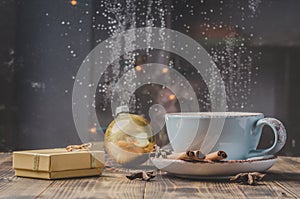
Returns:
(2, 107)
(73, 2)
(138, 68)
(293, 143)
(93, 130)
(171, 97)
(165, 70)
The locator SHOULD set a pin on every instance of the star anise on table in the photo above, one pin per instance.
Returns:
(248, 178)
(146, 176)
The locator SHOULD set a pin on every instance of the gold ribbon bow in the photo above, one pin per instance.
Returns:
(82, 147)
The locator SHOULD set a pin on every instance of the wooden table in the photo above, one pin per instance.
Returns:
(282, 180)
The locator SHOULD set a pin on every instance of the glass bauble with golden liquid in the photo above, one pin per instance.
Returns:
(128, 139)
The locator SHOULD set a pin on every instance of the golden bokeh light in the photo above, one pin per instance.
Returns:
(138, 68)
(73, 2)
(171, 97)
(165, 70)
(93, 130)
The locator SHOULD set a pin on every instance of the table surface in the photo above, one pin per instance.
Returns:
(282, 180)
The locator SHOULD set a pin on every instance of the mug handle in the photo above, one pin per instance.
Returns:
(279, 136)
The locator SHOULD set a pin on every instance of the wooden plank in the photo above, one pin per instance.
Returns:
(283, 180)
(287, 164)
(165, 186)
(265, 189)
(14, 187)
(110, 185)
(172, 187)
(6, 170)
(5, 157)
(23, 188)
(275, 184)
(286, 174)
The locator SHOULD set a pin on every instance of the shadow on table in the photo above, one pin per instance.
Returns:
(282, 176)
(188, 179)
(271, 176)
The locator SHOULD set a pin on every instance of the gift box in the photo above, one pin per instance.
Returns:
(57, 163)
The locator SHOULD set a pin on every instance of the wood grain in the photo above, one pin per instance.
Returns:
(286, 174)
(172, 187)
(6, 171)
(282, 180)
(14, 187)
(5, 157)
(106, 186)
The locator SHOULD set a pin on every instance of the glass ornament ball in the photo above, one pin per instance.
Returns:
(128, 139)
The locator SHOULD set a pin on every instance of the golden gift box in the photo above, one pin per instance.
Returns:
(57, 163)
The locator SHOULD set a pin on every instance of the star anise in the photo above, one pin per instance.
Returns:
(146, 176)
(248, 178)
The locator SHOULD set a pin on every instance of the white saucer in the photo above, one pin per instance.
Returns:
(216, 170)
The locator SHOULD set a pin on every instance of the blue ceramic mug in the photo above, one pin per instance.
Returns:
(236, 133)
